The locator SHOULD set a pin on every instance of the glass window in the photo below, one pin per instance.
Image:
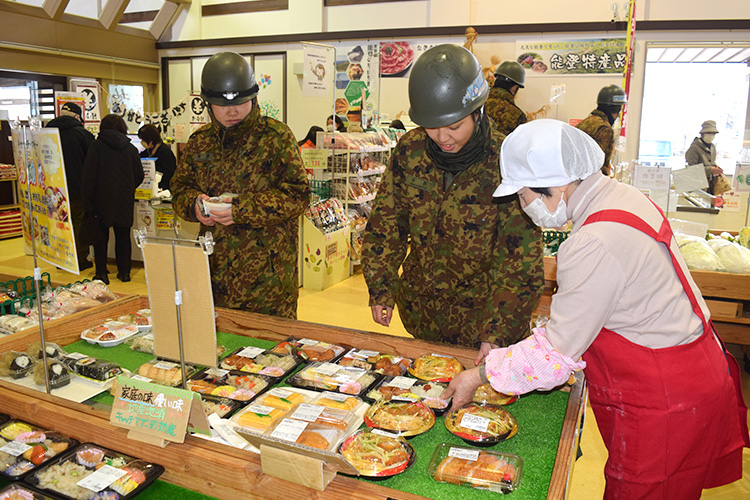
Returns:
(141, 13)
(33, 3)
(24, 95)
(86, 8)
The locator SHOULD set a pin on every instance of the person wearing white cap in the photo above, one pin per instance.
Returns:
(703, 151)
(659, 377)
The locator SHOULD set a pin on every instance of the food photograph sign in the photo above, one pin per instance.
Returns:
(570, 57)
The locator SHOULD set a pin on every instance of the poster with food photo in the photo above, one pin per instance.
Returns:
(567, 57)
(356, 79)
(397, 58)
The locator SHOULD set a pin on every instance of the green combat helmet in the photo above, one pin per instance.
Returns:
(611, 95)
(228, 80)
(511, 70)
(446, 85)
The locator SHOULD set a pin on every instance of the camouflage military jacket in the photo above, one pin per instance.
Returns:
(473, 272)
(254, 264)
(501, 107)
(597, 126)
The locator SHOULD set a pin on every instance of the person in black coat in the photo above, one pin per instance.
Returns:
(75, 140)
(166, 163)
(110, 175)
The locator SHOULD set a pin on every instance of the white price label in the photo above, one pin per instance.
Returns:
(384, 433)
(401, 382)
(327, 369)
(141, 378)
(217, 372)
(101, 478)
(440, 355)
(309, 413)
(335, 396)
(15, 448)
(75, 355)
(259, 409)
(365, 354)
(307, 342)
(279, 392)
(475, 422)
(250, 352)
(464, 454)
(289, 429)
(404, 398)
(166, 365)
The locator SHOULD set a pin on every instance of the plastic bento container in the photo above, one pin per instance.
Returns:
(481, 424)
(223, 407)
(257, 360)
(338, 400)
(110, 333)
(24, 447)
(334, 378)
(17, 491)
(87, 464)
(282, 398)
(164, 372)
(486, 394)
(480, 469)
(311, 350)
(435, 367)
(404, 418)
(406, 387)
(141, 319)
(387, 364)
(4, 418)
(256, 418)
(321, 436)
(15, 364)
(233, 384)
(93, 368)
(376, 454)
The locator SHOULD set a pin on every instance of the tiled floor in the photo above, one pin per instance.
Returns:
(345, 305)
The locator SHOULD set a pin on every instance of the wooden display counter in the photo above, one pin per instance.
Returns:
(727, 296)
(231, 473)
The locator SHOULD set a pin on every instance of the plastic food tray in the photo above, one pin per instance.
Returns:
(406, 387)
(252, 360)
(481, 469)
(400, 417)
(311, 350)
(223, 407)
(387, 364)
(481, 424)
(232, 384)
(17, 490)
(334, 378)
(357, 450)
(24, 447)
(86, 460)
(120, 331)
(435, 367)
(314, 426)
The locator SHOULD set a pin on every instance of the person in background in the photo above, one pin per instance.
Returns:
(658, 375)
(110, 175)
(166, 163)
(75, 141)
(310, 140)
(599, 123)
(340, 127)
(703, 150)
(501, 103)
(472, 268)
(257, 160)
(397, 124)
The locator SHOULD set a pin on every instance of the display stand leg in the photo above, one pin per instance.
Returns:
(178, 304)
(294, 467)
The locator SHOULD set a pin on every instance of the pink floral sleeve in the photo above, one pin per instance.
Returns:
(529, 365)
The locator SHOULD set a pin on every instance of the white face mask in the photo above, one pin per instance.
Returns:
(330, 127)
(542, 217)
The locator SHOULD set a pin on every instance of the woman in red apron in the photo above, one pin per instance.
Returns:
(664, 390)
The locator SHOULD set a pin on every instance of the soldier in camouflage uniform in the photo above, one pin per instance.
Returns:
(501, 103)
(599, 123)
(473, 273)
(254, 263)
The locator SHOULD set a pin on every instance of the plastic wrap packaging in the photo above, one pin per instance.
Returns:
(96, 290)
(54, 351)
(698, 255)
(484, 470)
(59, 375)
(93, 368)
(734, 257)
(12, 323)
(31, 447)
(15, 364)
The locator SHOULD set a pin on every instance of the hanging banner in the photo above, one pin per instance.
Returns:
(183, 113)
(50, 210)
(595, 56)
(316, 70)
(92, 113)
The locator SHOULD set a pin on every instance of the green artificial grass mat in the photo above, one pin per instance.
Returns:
(540, 418)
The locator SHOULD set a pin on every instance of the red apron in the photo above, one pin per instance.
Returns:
(668, 417)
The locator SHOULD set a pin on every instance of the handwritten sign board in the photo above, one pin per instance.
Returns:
(156, 413)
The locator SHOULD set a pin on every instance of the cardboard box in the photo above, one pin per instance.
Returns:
(325, 256)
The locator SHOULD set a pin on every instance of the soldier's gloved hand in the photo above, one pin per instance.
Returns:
(484, 350)
(206, 221)
(224, 217)
(382, 315)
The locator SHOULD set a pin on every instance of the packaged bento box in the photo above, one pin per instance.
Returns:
(231, 384)
(313, 425)
(18, 491)
(387, 364)
(257, 360)
(310, 350)
(110, 333)
(222, 406)
(435, 367)
(480, 469)
(164, 372)
(335, 378)
(403, 388)
(481, 424)
(377, 454)
(24, 446)
(92, 472)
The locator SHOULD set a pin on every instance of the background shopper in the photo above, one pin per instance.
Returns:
(501, 103)
(257, 160)
(154, 147)
(658, 376)
(473, 272)
(598, 124)
(110, 175)
(703, 150)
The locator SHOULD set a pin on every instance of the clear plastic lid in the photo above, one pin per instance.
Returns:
(338, 400)
(24, 446)
(163, 372)
(16, 364)
(376, 454)
(402, 417)
(387, 364)
(401, 387)
(481, 424)
(481, 469)
(86, 366)
(314, 435)
(311, 349)
(257, 360)
(110, 333)
(256, 417)
(435, 367)
(334, 378)
(282, 398)
(233, 384)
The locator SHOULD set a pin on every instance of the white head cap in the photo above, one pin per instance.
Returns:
(546, 153)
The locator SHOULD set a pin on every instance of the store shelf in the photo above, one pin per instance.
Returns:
(363, 199)
(361, 173)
